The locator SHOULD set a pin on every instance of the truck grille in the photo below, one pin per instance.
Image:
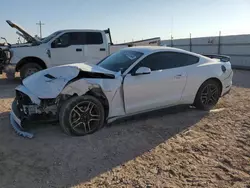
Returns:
(4, 55)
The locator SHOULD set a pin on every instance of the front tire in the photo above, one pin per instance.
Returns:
(29, 69)
(81, 115)
(207, 95)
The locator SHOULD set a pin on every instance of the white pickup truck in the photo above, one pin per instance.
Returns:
(61, 47)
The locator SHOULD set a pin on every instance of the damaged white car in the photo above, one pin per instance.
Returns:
(83, 98)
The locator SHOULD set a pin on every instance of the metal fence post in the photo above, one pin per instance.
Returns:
(219, 43)
(190, 42)
(172, 41)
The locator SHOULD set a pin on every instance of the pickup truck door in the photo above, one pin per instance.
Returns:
(67, 49)
(163, 86)
(95, 47)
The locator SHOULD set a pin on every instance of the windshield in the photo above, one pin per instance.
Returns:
(120, 61)
(48, 38)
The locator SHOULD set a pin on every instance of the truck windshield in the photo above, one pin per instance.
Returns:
(48, 38)
(120, 61)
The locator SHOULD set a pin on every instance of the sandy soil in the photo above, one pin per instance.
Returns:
(177, 147)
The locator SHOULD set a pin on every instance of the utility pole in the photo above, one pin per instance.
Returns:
(40, 27)
(172, 23)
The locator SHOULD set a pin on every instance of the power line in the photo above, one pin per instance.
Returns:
(40, 27)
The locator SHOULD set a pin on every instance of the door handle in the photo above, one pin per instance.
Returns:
(102, 49)
(178, 76)
(78, 49)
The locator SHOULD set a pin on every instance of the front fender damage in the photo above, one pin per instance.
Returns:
(32, 105)
(109, 87)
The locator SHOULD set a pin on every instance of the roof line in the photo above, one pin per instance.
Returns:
(140, 41)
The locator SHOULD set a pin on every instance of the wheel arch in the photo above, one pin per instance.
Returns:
(216, 80)
(212, 78)
(81, 87)
(30, 59)
(98, 93)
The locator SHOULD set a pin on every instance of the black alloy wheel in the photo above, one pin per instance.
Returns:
(85, 117)
(81, 115)
(208, 95)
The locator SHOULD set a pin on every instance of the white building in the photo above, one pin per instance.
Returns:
(235, 46)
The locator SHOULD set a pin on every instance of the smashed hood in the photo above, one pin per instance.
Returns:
(50, 82)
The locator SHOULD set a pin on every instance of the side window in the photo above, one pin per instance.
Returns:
(93, 38)
(62, 41)
(166, 60)
(76, 38)
(192, 60)
(68, 39)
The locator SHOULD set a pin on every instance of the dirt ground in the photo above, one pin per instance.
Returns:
(177, 147)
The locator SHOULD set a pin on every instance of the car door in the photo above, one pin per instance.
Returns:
(94, 48)
(67, 48)
(162, 87)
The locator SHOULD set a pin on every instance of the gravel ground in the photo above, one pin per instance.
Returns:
(177, 147)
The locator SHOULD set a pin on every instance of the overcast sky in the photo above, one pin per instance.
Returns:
(129, 19)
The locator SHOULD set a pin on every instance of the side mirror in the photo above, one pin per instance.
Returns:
(142, 70)
(56, 44)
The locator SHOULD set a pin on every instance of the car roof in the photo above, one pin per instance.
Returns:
(80, 30)
(152, 49)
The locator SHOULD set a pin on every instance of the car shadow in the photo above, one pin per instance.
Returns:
(57, 160)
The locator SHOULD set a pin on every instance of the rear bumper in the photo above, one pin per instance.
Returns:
(227, 84)
(227, 92)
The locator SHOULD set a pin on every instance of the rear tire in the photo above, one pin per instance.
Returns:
(29, 69)
(207, 95)
(81, 115)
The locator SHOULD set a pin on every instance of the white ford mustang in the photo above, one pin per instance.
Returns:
(84, 97)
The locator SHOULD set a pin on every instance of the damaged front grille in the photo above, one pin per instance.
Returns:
(27, 108)
(24, 104)
(30, 113)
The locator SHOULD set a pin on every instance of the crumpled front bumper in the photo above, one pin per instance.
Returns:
(16, 122)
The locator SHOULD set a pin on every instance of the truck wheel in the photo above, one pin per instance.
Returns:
(29, 69)
(81, 115)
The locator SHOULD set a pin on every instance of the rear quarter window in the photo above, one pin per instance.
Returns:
(93, 38)
(192, 59)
